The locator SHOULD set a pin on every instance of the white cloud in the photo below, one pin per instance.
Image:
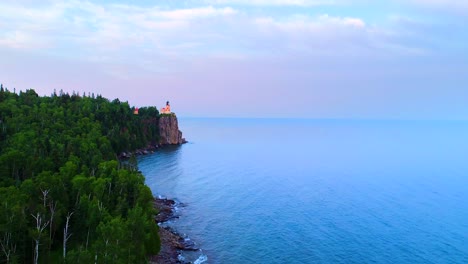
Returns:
(16, 40)
(440, 3)
(275, 2)
(155, 38)
(321, 35)
(306, 23)
(449, 4)
(194, 13)
(103, 26)
(345, 21)
(454, 6)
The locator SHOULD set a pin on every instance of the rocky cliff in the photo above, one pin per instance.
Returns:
(169, 130)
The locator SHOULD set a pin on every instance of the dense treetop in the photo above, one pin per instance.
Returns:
(64, 195)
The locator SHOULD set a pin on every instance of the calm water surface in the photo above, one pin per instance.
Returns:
(319, 191)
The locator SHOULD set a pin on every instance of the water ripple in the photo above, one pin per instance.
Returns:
(308, 191)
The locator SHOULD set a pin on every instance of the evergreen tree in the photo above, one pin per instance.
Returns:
(60, 176)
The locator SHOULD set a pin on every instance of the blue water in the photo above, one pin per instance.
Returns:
(319, 191)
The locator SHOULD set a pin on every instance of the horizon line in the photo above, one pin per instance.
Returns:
(329, 118)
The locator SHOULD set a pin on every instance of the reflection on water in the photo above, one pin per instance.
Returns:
(163, 165)
(315, 191)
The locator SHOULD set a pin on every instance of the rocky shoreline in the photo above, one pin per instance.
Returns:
(150, 149)
(169, 134)
(139, 152)
(172, 243)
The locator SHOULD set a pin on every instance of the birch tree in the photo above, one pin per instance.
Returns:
(66, 234)
(8, 246)
(37, 234)
(44, 196)
(12, 222)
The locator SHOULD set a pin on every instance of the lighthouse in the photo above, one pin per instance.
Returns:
(167, 109)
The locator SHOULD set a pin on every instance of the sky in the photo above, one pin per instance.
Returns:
(370, 59)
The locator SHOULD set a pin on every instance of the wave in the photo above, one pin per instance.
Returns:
(188, 257)
(181, 258)
(201, 259)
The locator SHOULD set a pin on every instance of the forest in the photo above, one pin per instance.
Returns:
(65, 197)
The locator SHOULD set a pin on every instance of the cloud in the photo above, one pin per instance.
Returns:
(194, 13)
(325, 35)
(102, 26)
(443, 3)
(330, 62)
(274, 2)
(25, 28)
(18, 40)
(164, 39)
(446, 4)
(453, 6)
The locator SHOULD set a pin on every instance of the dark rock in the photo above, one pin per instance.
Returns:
(172, 243)
(187, 244)
(168, 253)
(165, 209)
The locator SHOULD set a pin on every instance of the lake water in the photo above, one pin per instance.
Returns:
(319, 191)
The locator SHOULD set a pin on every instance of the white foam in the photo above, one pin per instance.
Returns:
(181, 258)
(201, 259)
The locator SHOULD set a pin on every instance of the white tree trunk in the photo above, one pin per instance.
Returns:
(44, 197)
(40, 228)
(36, 251)
(66, 235)
(7, 246)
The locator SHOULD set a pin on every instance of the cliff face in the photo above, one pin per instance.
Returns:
(169, 130)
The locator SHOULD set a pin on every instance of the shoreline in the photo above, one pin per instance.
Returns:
(149, 149)
(172, 243)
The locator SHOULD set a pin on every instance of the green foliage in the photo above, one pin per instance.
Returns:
(58, 158)
(169, 114)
